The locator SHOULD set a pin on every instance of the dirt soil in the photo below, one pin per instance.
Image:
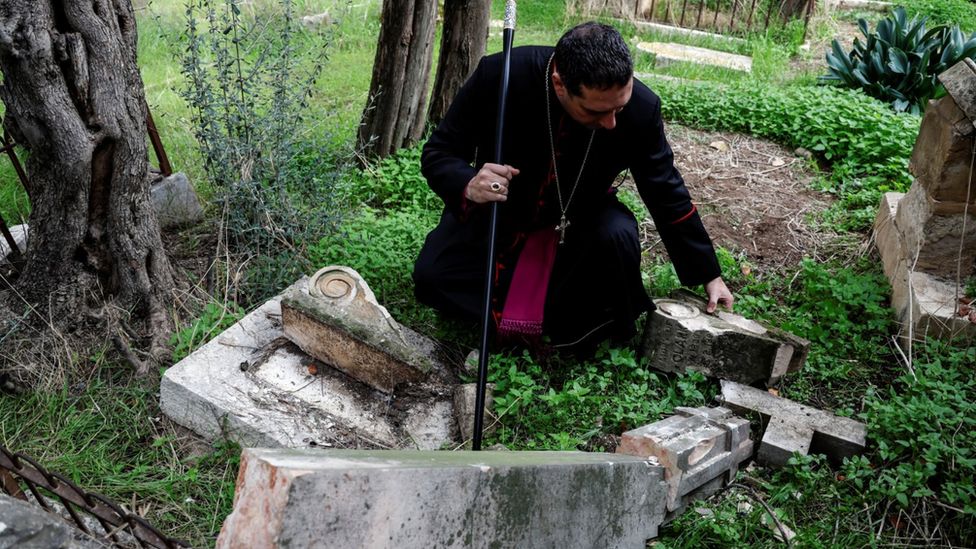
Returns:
(755, 198)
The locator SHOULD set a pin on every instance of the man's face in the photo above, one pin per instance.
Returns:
(593, 108)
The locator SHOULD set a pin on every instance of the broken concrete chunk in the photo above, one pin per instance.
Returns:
(700, 449)
(347, 498)
(795, 428)
(680, 336)
(464, 407)
(339, 322)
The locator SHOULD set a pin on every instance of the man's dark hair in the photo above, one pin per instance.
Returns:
(593, 55)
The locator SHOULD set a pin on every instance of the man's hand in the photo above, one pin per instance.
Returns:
(490, 184)
(718, 294)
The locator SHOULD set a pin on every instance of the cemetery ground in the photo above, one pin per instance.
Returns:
(787, 192)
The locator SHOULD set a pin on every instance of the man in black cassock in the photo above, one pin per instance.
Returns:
(568, 263)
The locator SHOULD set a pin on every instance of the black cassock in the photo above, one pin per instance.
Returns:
(596, 284)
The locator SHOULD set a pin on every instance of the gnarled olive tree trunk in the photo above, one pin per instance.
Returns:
(75, 99)
(463, 39)
(394, 117)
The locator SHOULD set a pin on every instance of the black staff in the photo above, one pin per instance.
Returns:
(479, 403)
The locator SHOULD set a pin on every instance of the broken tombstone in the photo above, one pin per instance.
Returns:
(699, 448)
(679, 336)
(927, 237)
(792, 427)
(338, 321)
(252, 385)
(298, 498)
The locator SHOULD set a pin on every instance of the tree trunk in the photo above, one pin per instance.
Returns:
(74, 98)
(394, 118)
(463, 39)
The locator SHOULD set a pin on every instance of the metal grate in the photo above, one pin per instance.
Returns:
(18, 472)
(723, 16)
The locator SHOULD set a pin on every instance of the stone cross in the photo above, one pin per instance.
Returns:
(793, 427)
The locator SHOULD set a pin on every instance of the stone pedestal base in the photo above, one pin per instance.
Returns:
(925, 305)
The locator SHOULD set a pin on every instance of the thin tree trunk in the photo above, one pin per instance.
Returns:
(394, 118)
(74, 98)
(463, 39)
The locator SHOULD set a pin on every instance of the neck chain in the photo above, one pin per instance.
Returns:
(563, 222)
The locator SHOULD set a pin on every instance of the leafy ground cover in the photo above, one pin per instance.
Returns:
(913, 486)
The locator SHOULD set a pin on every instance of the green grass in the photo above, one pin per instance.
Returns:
(108, 436)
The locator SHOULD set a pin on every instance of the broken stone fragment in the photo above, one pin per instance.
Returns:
(941, 157)
(411, 499)
(681, 336)
(464, 407)
(700, 449)
(792, 427)
(339, 322)
(960, 84)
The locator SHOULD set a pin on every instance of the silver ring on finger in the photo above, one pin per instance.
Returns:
(496, 186)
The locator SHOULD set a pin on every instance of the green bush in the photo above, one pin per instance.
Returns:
(900, 61)
(945, 12)
(923, 427)
(866, 143)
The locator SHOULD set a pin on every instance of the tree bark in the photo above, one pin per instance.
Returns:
(394, 118)
(75, 99)
(463, 39)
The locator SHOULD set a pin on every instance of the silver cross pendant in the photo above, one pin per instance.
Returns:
(561, 229)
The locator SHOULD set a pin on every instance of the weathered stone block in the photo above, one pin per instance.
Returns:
(943, 151)
(695, 446)
(175, 202)
(960, 84)
(887, 237)
(793, 427)
(932, 232)
(680, 336)
(667, 53)
(253, 386)
(925, 305)
(443, 499)
(339, 322)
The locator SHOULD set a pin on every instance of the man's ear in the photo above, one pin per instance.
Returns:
(557, 83)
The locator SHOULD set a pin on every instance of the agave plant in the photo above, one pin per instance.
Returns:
(900, 61)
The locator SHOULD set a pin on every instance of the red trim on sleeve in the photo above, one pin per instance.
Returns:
(686, 216)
